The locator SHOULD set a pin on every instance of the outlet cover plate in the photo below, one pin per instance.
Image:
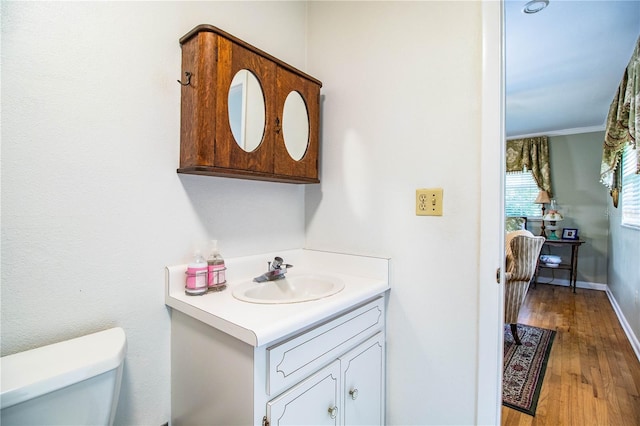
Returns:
(429, 202)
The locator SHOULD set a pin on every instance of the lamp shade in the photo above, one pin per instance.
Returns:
(553, 216)
(543, 197)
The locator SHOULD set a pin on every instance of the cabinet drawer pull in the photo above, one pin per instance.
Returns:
(354, 394)
(333, 412)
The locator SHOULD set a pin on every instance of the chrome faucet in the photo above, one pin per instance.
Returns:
(276, 271)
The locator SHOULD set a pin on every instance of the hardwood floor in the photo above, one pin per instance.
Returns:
(593, 375)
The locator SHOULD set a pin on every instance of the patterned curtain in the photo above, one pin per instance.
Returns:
(531, 154)
(623, 123)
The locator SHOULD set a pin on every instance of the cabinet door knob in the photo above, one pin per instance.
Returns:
(354, 394)
(333, 412)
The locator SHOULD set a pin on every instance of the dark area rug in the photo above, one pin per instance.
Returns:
(524, 367)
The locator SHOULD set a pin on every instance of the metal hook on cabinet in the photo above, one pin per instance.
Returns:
(188, 75)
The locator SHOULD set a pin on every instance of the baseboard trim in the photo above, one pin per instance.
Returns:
(635, 344)
(579, 284)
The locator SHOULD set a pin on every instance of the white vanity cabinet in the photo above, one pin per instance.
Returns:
(363, 389)
(348, 391)
(314, 401)
(331, 373)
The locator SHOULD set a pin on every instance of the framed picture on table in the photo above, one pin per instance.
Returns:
(569, 234)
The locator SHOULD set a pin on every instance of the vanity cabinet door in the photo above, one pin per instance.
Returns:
(314, 401)
(363, 383)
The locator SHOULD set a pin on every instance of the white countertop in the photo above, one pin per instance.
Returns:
(259, 324)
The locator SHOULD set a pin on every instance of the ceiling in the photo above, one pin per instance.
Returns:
(564, 63)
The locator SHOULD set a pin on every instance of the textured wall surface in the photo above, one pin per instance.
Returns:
(401, 112)
(92, 206)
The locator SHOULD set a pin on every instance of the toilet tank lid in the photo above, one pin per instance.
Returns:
(29, 374)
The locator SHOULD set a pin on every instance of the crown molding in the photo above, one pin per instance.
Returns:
(564, 132)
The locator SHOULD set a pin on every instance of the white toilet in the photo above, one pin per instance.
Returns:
(75, 382)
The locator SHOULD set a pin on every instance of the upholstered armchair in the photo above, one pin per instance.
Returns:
(522, 250)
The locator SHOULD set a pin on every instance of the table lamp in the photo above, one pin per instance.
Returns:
(552, 217)
(543, 197)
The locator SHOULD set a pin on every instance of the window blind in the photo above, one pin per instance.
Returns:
(630, 195)
(520, 193)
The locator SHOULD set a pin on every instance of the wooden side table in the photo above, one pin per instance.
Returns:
(572, 267)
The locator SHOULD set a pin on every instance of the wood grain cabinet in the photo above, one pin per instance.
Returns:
(245, 113)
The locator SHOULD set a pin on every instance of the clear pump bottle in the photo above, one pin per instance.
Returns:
(216, 269)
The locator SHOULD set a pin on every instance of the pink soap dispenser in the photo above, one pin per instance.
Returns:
(196, 283)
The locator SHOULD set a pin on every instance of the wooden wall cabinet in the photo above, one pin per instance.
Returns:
(210, 60)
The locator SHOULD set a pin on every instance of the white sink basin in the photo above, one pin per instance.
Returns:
(291, 289)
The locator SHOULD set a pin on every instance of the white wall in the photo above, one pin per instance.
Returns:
(624, 271)
(92, 208)
(401, 110)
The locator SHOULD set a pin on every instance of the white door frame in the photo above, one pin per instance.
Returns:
(490, 252)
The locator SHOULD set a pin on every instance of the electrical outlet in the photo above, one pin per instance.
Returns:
(429, 202)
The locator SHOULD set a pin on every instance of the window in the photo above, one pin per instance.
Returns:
(630, 195)
(520, 193)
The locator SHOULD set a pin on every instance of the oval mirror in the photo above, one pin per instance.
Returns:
(295, 125)
(246, 110)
